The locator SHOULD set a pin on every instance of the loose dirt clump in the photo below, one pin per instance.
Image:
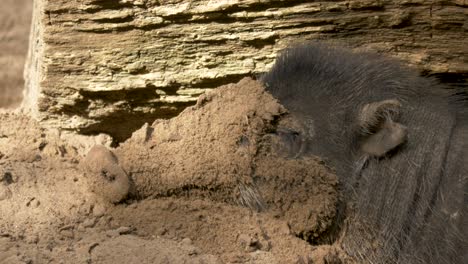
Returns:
(104, 175)
(217, 184)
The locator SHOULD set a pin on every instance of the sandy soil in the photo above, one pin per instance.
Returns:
(15, 19)
(217, 184)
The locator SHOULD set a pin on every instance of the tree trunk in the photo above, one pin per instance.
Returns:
(110, 66)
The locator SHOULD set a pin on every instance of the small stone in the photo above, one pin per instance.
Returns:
(284, 229)
(26, 260)
(187, 241)
(36, 157)
(162, 231)
(193, 251)
(90, 222)
(67, 233)
(99, 210)
(80, 229)
(123, 230)
(112, 233)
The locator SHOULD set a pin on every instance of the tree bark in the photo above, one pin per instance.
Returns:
(110, 66)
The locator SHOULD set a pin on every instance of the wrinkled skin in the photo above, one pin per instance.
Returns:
(399, 145)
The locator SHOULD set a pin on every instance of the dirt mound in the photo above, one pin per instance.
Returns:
(213, 185)
(226, 148)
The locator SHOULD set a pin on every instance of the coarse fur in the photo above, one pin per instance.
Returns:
(405, 192)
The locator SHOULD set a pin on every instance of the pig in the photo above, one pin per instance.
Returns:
(398, 142)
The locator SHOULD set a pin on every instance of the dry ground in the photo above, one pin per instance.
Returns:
(214, 185)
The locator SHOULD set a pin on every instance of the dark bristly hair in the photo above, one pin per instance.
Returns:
(409, 206)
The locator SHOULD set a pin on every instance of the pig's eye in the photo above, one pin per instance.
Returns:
(288, 135)
(289, 143)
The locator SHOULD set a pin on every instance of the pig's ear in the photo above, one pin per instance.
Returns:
(380, 131)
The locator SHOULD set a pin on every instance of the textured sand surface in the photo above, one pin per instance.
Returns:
(213, 185)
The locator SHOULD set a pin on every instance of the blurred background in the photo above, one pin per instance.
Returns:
(15, 19)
